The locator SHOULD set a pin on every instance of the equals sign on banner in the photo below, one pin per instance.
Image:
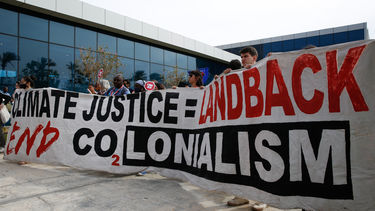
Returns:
(190, 103)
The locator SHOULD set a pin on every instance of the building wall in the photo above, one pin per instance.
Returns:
(298, 41)
(48, 47)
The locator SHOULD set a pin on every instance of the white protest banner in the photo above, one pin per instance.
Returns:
(295, 130)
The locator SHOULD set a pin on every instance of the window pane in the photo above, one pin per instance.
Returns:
(63, 70)
(34, 61)
(288, 45)
(127, 68)
(157, 73)
(340, 37)
(142, 51)
(172, 75)
(192, 63)
(356, 35)
(61, 33)
(181, 61)
(299, 43)
(184, 73)
(107, 42)
(170, 58)
(141, 70)
(125, 48)
(81, 82)
(8, 53)
(277, 46)
(157, 55)
(33, 27)
(8, 22)
(267, 47)
(85, 38)
(326, 39)
(312, 40)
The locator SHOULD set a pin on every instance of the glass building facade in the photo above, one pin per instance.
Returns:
(317, 38)
(49, 48)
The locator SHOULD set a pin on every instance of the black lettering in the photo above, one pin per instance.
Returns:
(88, 116)
(57, 94)
(132, 99)
(104, 117)
(24, 104)
(76, 138)
(70, 104)
(151, 97)
(142, 107)
(33, 105)
(170, 106)
(118, 105)
(45, 108)
(16, 101)
(18, 113)
(112, 146)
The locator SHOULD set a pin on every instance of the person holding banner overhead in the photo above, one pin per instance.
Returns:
(119, 89)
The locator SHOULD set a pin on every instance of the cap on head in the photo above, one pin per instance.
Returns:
(140, 82)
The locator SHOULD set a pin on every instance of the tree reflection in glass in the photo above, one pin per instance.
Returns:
(46, 77)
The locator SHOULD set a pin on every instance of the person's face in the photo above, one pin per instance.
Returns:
(117, 82)
(126, 84)
(24, 84)
(246, 59)
(192, 79)
(97, 86)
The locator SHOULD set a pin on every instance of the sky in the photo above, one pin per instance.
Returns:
(220, 22)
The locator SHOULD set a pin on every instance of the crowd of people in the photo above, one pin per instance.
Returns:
(122, 87)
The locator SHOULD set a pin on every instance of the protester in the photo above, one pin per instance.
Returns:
(158, 85)
(249, 57)
(26, 83)
(17, 87)
(233, 65)
(183, 84)
(5, 90)
(127, 85)
(139, 86)
(4, 99)
(196, 79)
(119, 89)
(103, 86)
(91, 89)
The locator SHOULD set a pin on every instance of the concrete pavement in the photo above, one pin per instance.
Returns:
(44, 187)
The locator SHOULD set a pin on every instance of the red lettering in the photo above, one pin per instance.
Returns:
(234, 113)
(219, 99)
(202, 118)
(47, 130)
(344, 78)
(256, 110)
(209, 110)
(12, 137)
(30, 140)
(307, 106)
(280, 99)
